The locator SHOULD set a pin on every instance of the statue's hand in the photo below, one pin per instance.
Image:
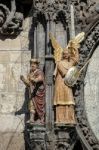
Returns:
(22, 77)
(32, 79)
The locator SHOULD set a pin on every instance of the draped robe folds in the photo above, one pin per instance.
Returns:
(37, 92)
(63, 96)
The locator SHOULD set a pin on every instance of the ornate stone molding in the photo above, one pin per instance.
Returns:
(86, 51)
(39, 138)
(85, 13)
(51, 9)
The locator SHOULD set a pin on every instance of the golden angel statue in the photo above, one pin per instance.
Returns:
(65, 75)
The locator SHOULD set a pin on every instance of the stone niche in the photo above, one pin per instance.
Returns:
(14, 61)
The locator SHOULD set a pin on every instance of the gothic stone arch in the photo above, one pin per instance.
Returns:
(87, 49)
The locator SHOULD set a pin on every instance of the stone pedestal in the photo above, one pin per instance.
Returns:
(61, 137)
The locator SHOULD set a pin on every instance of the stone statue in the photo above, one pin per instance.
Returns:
(63, 96)
(36, 84)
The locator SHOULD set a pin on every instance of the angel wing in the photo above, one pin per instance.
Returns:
(74, 44)
(57, 48)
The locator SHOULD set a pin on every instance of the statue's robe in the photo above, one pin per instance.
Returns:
(63, 95)
(37, 93)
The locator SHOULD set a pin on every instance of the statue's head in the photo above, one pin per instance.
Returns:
(34, 64)
(66, 54)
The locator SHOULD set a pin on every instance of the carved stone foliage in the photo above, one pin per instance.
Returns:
(87, 49)
(11, 16)
(85, 12)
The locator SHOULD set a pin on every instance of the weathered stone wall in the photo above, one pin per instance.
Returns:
(14, 61)
(91, 92)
